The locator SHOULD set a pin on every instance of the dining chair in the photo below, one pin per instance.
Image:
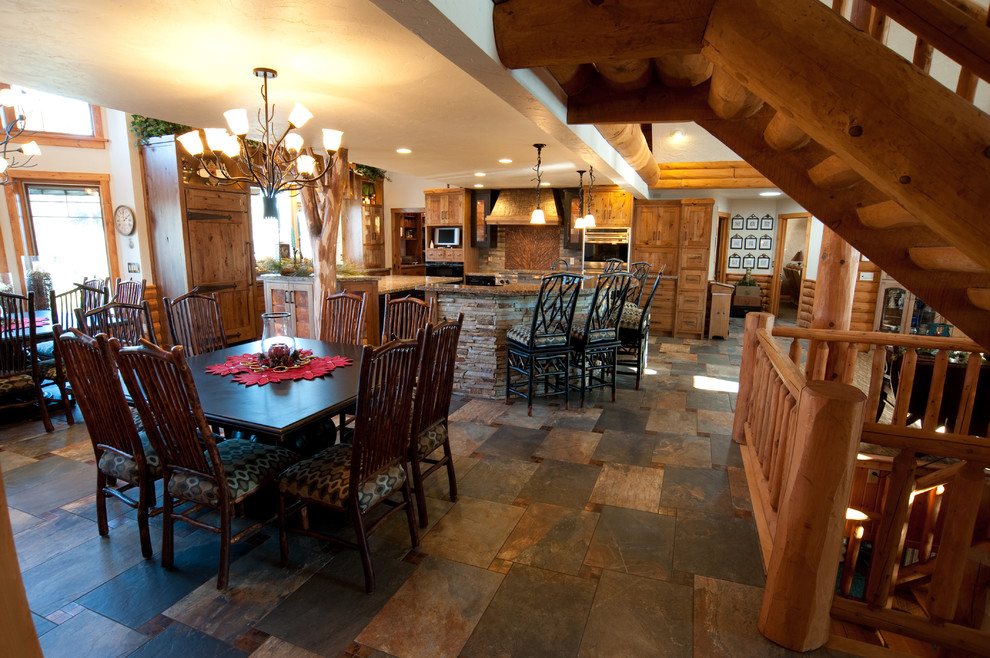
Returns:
(95, 293)
(405, 316)
(541, 350)
(634, 336)
(63, 312)
(613, 265)
(431, 405)
(194, 322)
(198, 470)
(358, 477)
(342, 318)
(121, 448)
(20, 372)
(128, 323)
(559, 265)
(129, 292)
(639, 271)
(595, 341)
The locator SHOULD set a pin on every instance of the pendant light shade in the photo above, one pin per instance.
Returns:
(538, 217)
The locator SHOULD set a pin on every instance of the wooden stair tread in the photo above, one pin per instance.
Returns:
(947, 259)
(886, 215)
(980, 297)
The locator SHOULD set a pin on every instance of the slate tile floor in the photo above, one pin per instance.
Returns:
(620, 529)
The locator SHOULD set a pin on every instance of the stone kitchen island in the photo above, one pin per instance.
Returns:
(376, 287)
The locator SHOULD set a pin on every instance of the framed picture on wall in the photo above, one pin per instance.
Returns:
(735, 262)
(766, 242)
(752, 223)
(749, 261)
(737, 223)
(736, 241)
(763, 262)
(750, 242)
(766, 223)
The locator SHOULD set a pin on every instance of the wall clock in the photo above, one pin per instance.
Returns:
(123, 220)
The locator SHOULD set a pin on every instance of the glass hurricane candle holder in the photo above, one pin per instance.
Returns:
(277, 343)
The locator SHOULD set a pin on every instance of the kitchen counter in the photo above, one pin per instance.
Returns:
(396, 282)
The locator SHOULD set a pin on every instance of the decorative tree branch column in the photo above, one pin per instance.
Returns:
(323, 204)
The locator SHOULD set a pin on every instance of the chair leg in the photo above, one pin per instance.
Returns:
(43, 409)
(417, 478)
(101, 504)
(168, 531)
(223, 571)
(531, 372)
(283, 532)
(407, 497)
(451, 478)
(613, 368)
(567, 381)
(508, 374)
(362, 543)
(142, 519)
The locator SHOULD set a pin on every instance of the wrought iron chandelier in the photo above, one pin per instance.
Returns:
(12, 132)
(538, 217)
(579, 222)
(589, 219)
(274, 163)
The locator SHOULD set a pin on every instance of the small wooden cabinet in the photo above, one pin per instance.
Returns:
(293, 295)
(656, 225)
(612, 206)
(447, 207)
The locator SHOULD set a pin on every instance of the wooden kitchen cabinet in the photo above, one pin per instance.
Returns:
(656, 225)
(293, 295)
(200, 236)
(448, 207)
(612, 206)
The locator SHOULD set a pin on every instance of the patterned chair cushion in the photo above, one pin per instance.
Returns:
(520, 334)
(247, 466)
(48, 369)
(46, 350)
(596, 334)
(630, 317)
(325, 477)
(125, 468)
(432, 438)
(16, 384)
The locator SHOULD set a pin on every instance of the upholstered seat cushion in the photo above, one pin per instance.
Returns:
(577, 333)
(48, 369)
(16, 384)
(431, 438)
(631, 314)
(124, 468)
(325, 478)
(247, 466)
(46, 350)
(520, 334)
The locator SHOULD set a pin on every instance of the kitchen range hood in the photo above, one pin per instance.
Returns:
(515, 207)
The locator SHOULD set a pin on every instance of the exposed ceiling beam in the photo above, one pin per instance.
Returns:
(902, 131)
(550, 32)
(653, 104)
(710, 175)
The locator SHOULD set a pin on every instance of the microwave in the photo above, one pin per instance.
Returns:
(447, 236)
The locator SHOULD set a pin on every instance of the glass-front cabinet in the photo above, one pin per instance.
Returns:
(899, 311)
(293, 295)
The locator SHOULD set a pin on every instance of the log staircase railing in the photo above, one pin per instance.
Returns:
(924, 514)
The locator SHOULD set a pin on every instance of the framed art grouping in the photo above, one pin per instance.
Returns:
(752, 223)
(765, 243)
(750, 242)
(749, 262)
(736, 242)
(763, 262)
(735, 262)
(737, 223)
(766, 223)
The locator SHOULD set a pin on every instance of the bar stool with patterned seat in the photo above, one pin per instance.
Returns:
(542, 349)
(634, 335)
(596, 340)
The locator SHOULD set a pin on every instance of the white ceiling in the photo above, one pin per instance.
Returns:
(389, 74)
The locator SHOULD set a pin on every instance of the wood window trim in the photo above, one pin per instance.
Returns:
(97, 140)
(17, 210)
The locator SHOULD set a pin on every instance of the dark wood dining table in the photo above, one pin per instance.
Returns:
(279, 411)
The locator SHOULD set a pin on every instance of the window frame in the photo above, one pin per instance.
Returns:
(96, 141)
(17, 210)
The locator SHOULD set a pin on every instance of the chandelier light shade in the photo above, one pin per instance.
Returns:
(538, 217)
(270, 161)
(589, 219)
(12, 132)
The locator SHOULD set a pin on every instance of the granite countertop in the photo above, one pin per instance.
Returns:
(400, 282)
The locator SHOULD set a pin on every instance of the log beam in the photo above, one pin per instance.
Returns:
(629, 141)
(653, 104)
(833, 174)
(785, 135)
(729, 99)
(841, 86)
(681, 71)
(626, 74)
(530, 34)
(886, 215)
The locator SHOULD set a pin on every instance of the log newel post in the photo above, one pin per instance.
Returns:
(837, 274)
(808, 543)
(747, 370)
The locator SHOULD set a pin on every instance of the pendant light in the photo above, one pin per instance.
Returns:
(579, 222)
(537, 217)
(589, 219)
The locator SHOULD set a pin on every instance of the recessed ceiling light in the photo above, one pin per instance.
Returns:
(770, 193)
(403, 151)
(678, 136)
(505, 160)
(544, 184)
(479, 184)
(480, 174)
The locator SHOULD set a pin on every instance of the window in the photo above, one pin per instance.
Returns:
(290, 229)
(55, 120)
(68, 232)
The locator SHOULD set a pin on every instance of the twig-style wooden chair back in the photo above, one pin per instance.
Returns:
(613, 265)
(435, 383)
(129, 292)
(644, 318)
(128, 323)
(404, 317)
(63, 306)
(165, 396)
(17, 335)
(384, 401)
(639, 271)
(342, 318)
(94, 293)
(602, 323)
(554, 310)
(195, 323)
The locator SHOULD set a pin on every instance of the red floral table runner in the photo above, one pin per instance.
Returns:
(23, 324)
(247, 370)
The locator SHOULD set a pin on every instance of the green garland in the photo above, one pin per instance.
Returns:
(371, 173)
(147, 127)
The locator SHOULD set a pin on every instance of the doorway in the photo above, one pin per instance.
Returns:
(722, 248)
(789, 266)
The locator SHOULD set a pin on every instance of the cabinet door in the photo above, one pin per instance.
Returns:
(696, 225)
(646, 226)
(436, 205)
(620, 208)
(667, 225)
(454, 215)
(657, 258)
(302, 301)
(220, 255)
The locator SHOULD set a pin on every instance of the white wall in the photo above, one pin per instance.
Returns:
(127, 189)
(403, 191)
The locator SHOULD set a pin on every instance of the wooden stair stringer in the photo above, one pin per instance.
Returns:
(944, 291)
